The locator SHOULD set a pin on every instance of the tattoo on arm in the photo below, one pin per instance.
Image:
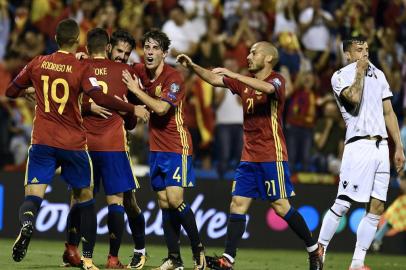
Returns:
(353, 93)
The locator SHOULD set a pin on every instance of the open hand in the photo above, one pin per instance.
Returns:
(141, 112)
(81, 55)
(99, 110)
(224, 72)
(131, 82)
(184, 60)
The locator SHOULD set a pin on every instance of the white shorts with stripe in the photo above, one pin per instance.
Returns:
(365, 171)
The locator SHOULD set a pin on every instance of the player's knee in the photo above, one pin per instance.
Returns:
(376, 207)
(174, 202)
(82, 195)
(340, 207)
(115, 199)
(237, 206)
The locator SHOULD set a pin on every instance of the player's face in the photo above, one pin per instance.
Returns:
(256, 59)
(153, 54)
(120, 52)
(357, 51)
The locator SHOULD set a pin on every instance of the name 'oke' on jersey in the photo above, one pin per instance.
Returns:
(368, 118)
(106, 134)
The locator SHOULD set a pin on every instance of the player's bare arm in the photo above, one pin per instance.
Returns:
(391, 122)
(250, 81)
(207, 75)
(353, 93)
(160, 107)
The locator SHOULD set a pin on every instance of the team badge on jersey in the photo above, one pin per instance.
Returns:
(158, 91)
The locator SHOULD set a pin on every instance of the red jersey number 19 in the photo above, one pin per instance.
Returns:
(62, 101)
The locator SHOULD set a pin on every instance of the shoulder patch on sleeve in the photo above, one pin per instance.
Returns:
(174, 88)
(93, 81)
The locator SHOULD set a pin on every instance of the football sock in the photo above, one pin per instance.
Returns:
(380, 234)
(28, 210)
(88, 227)
(73, 226)
(299, 226)
(332, 220)
(171, 233)
(365, 234)
(136, 221)
(188, 221)
(115, 223)
(235, 230)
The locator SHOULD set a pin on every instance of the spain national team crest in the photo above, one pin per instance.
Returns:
(174, 88)
(158, 91)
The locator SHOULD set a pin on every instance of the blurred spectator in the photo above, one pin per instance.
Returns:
(314, 24)
(183, 36)
(198, 12)
(328, 138)
(285, 20)
(289, 52)
(211, 48)
(257, 20)
(300, 121)
(4, 27)
(232, 12)
(229, 130)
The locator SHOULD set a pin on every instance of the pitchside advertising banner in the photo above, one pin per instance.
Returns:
(210, 201)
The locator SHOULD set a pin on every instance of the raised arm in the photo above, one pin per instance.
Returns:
(207, 75)
(160, 107)
(353, 93)
(391, 122)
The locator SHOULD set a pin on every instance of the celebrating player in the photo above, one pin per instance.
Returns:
(119, 49)
(58, 137)
(363, 95)
(106, 139)
(263, 171)
(163, 92)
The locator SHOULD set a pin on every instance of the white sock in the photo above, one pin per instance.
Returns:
(142, 251)
(365, 235)
(312, 248)
(331, 221)
(229, 257)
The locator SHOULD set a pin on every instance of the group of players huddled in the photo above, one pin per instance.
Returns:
(84, 103)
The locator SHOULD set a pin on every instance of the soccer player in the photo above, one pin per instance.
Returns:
(162, 91)
(363, 96)
(263, 171)
(58, 137)
(106, 139)
(119, 49)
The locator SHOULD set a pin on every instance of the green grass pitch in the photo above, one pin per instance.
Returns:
(47, 255)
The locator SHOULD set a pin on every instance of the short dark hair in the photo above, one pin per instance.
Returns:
(97, 40)
(67, 33)
(351, 40)
(122, 35)
(159, 36)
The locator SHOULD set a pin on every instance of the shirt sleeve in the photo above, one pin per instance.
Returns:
(386, 92)
(340, 81)
(21, 82)
(89, 82)
(173, 90)
(235, 86)
(279, 84)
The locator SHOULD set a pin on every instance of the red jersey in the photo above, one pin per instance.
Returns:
(106, 134)
(167, 133)
(59, 80)
(263, 136)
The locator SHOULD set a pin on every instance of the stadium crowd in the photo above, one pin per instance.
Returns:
(307, 33)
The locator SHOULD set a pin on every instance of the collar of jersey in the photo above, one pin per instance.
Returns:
(99, 57)
(62, 51)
